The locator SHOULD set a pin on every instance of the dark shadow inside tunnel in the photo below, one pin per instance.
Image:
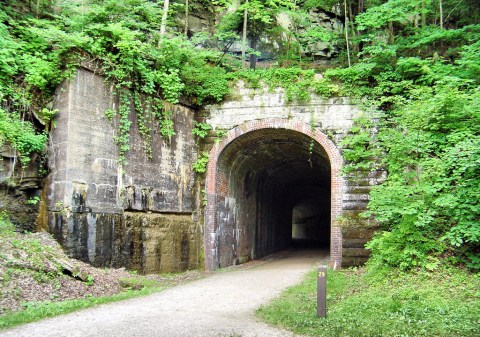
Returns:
(273, 192)
(311, 222)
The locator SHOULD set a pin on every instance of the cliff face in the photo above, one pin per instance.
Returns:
(20, 188)
(314, 34)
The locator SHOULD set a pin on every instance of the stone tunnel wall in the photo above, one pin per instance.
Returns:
(145, 215)
(331, 117)
(138, 215)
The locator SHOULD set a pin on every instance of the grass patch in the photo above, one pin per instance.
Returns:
(442, 303)
(35, 311)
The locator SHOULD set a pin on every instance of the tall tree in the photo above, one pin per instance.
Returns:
(186, 17)
(244, 34)
(163, 24)
(346, 33)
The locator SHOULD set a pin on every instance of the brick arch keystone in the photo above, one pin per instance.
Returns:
(212, 180)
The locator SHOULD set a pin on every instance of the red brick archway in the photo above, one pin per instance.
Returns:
(214, 182)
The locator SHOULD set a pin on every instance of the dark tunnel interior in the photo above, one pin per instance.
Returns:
(278, 194)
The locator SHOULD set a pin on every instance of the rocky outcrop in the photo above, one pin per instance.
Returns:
(19, 188)
(332, 25)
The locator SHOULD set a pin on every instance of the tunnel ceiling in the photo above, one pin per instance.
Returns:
(289, 158)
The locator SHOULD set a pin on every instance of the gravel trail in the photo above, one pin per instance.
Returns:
(220, 305)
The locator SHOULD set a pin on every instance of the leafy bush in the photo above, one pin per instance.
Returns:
(21, 136)
(426, 124)
(298, 83)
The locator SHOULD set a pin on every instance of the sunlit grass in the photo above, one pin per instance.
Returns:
(444, 303)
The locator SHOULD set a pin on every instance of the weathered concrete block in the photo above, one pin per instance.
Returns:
(90, 189)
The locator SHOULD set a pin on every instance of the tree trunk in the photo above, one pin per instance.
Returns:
(186, 17)
(361, 6)
(352, 26)
(440, 5)
(415, 19)
(253, 56)
(423, 15)
(163, 24)
(346, 34)
(244, 36)
(391, 33)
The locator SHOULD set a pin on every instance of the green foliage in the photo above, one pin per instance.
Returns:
(144, 116)
(6, 227)
(468, 63)
(33, 200)
(442, 303)
(261, 19)
(166, 127)
(34, 58)
(297, 83)
(201, 129)
(431, 154)
(205, 83)
(200, 166)
(324, 4)
(389, 11)
(122, 139)
(422, 121)
(359, 149)
(39, 51)
(21, 136)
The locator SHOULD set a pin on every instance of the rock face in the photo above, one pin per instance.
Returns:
(273, 178)
(19, 189)
(318, 44)
(331, 24)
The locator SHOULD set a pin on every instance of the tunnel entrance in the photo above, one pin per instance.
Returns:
(270, 188)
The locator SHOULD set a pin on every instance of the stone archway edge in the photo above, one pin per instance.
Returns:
(337, 181)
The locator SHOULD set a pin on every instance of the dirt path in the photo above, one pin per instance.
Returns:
(219, 305)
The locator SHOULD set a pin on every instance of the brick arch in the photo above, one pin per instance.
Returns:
(212, 180)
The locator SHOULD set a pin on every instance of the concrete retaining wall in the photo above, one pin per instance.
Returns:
(137, 215)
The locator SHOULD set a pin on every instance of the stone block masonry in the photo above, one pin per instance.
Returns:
(149, 214)
(262, 125)
(333, 116)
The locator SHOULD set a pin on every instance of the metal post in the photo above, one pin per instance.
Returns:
(322, 291)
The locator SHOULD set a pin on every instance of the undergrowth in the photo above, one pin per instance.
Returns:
(441, 303)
